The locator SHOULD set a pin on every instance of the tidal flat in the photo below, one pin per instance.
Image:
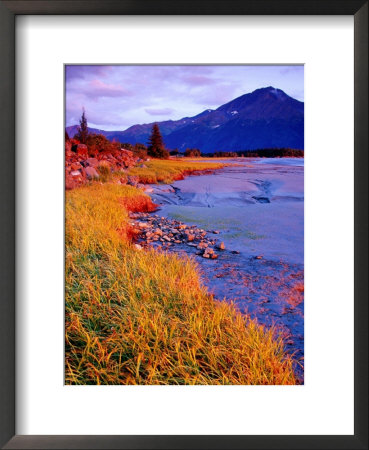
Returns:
(257, 206)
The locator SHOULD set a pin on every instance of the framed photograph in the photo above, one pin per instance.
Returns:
(184, 224)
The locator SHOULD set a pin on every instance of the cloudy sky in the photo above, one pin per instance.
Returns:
(116, 97)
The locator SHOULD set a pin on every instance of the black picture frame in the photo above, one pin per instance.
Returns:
(8, 11)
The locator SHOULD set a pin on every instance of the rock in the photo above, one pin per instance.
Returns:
(125, 152)
(258, 257)
(142, 224)
(70, 183)
(138, 247)
(158, 232)
(68, 148)
(166, 238)
(76, 173)
(215, 232)
(132, 180)
(208, 252)
(191, 237)
(221, 246)
(93, 162)
(202, 245)
(76, 166)
(235, 252)
(91, 172)
(214, 256)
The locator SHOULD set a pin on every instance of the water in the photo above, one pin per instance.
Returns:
(258, 208)
(297, 162)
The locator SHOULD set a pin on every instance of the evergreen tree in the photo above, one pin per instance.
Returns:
(156, 145)
(82, 129)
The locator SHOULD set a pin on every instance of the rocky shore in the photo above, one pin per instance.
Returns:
(80, 167)
(164, 233)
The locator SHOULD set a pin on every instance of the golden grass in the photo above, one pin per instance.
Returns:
(169, 170)
(143, 317)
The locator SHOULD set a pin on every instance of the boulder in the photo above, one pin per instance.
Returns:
(92, 162)
(91, 172)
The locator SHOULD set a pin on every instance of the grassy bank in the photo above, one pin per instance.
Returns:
(167, 171)
(143, 317)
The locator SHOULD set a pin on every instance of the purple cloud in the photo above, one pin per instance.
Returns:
(159, 111)
(97, 88)
(117, 97)
(73, 72)
(198, 80)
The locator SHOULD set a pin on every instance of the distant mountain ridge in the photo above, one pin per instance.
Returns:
(264, 118)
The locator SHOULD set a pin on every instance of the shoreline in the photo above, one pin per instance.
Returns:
(240, 267)
(179, 279)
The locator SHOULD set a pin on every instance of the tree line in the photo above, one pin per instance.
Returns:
(155, 147)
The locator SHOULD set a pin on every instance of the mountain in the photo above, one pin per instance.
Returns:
(72, 130)
(264, 118)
